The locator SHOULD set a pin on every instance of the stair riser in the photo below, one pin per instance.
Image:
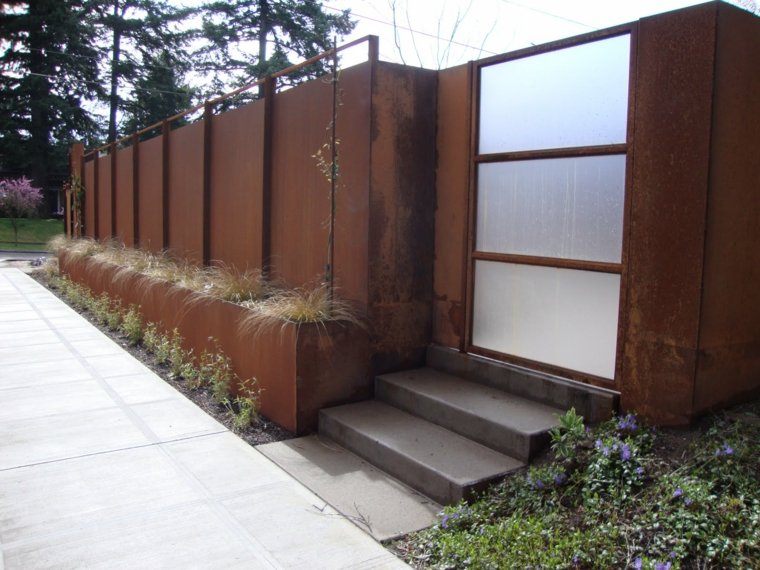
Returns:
(595, 405)
(404, 468)
(520, 445)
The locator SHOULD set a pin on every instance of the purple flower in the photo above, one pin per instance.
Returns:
(637, 563)
(625, 452)
(576, 559)
(662, 566)
(560, 479)
(598, 443)
(678, 492)
(687, 501)
(606, 451)
(639, 471)
(628, 423)
(539, 484)
(727, 450)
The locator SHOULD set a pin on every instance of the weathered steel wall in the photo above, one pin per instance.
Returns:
(186, 191)
(124, 195)
(729, 332)
(103, 209)
(402, 211)
(88, 181)
(150, 187)
(352, 190)
(451, 206)
(300, 191)
(237, 142)
(671, 158)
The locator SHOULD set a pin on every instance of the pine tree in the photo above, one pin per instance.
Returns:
(133, 35)
(249, 39)
(49, 70)
(158, 94)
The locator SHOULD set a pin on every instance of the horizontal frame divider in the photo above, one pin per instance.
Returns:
(571, 152)
(581, 264)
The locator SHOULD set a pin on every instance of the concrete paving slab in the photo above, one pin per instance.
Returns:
(116, 365)
(34, 353)
(11, 326)
(140, 388)
(176, 418)
(323, 539)
(88, 490)
(39, 440)
(33, 338)
(188, 537)
(372, 499)
(147, 481)
(47, 400)
(224, 464)
(27, 374)
(95, 347)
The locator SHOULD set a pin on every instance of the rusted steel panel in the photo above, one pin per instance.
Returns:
(332, 368)
(300, 190)
(124, 211)
(186, 191)
(299, 369)
(452, 181)
(236, 174)
(729, 339)
(402, 202)
(88, 183)
(668, 205)
(352, 190)
(104, 229)
(149, 188)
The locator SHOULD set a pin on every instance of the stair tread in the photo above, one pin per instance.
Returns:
(459, 459)
(492, 404)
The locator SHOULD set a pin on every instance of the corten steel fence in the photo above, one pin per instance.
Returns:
(254, 187)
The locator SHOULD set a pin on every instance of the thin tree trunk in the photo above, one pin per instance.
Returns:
(114, 96)
(40, 93)
(264, 26)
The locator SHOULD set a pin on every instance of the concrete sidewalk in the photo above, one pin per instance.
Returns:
(104, 465)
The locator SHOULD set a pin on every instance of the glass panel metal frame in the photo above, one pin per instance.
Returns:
(478, 158)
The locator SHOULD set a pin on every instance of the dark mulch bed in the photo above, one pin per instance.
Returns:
(264, 431)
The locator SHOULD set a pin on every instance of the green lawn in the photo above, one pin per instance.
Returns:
(33, 234)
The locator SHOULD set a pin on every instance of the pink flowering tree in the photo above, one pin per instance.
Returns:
(18, 199)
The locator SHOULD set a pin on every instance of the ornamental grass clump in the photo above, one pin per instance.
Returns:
(269, 305)
(298, 306)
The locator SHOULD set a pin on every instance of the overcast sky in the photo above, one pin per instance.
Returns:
(486, 27)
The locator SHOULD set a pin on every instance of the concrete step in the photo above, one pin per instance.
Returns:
(594, 404)
(502, 421)
(444, 465)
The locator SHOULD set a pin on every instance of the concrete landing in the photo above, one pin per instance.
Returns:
(374, 501)
(103, 465)
(448, 466)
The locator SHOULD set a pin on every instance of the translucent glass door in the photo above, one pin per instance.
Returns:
(550, 171)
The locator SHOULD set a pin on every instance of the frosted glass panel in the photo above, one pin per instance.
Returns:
(577, 96)
(563, 317)
(569, 208)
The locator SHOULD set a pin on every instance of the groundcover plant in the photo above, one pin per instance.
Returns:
(617, 495)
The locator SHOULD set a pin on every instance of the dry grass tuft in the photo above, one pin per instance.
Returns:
(59, 243)
(269, 306)
(303, 305)
(230, 284)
